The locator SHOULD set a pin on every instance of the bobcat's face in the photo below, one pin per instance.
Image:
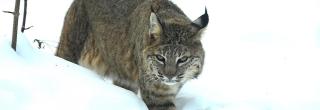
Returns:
(174, 53)
(171, 64)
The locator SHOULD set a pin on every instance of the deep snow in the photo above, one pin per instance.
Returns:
(31, 80)
(260, 55)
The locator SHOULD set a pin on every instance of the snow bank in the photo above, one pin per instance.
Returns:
(30, 80)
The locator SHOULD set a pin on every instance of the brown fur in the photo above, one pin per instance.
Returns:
(141, 44)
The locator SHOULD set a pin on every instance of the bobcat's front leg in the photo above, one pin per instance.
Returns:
(158, 96)
(156, 100)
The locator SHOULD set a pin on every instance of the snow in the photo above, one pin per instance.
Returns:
(32, 80)
(260, 55)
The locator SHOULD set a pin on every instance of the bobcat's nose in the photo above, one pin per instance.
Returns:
(170, 76)
(170, 71)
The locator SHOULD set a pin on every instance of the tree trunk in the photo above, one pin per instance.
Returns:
(15, 24)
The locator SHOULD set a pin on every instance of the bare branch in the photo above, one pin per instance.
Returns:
(28, 28)
(8, 12)
(40, 43)
(15, 24)
(24, 17)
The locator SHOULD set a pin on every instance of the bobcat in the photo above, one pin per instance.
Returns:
(148, 46)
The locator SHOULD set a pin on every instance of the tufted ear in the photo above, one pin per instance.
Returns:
(202, 21)
(155, 28)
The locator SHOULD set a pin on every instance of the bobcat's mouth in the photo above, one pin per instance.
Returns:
(170, 83)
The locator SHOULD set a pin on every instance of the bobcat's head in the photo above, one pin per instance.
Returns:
(174, 53)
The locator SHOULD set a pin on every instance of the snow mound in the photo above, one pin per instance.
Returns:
(31, 80)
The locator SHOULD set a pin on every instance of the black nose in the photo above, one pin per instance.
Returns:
(170, 76)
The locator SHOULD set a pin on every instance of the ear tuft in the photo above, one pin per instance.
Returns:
(202, 21)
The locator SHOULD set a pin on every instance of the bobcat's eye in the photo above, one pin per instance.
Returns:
(182, 60)
(160, 58)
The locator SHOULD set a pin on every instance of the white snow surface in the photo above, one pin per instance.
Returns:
(260, 55)
(32, 80)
